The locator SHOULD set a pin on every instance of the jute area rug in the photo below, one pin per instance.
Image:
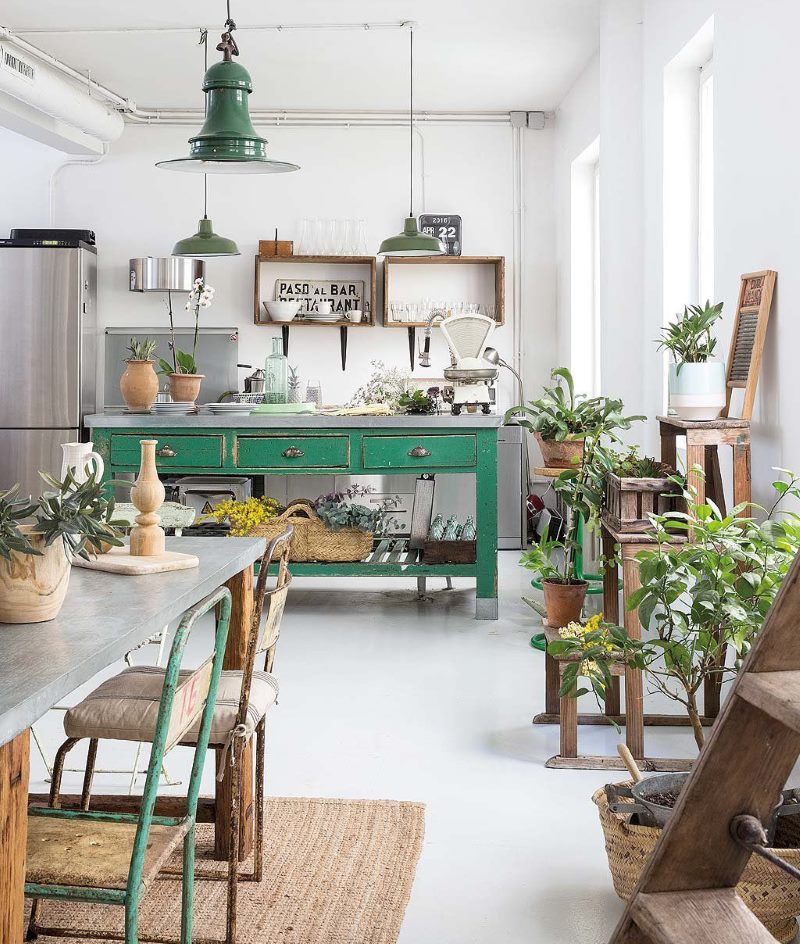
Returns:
(335, 872)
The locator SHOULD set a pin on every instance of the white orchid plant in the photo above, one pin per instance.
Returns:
(201, 296)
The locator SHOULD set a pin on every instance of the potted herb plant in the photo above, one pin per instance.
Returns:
(39, 539)
(582, 491)
(560, 420)
(696, 379)
(636, 487)
(184, 379)
(139, 382)
(704, 600)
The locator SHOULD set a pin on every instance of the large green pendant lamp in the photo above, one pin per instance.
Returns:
(411, 242)
(228, 142)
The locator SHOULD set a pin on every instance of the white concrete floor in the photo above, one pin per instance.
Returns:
(387, 697)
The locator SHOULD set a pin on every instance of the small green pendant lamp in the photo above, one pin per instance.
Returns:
(411, 242)
(228, 142)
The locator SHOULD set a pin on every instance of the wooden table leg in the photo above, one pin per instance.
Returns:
(552, 682)
(611, 612)
(241, 587)
(669, 446)
(714, 487)
(634, 693)
(568, 728)
(696, 456)
(742, 486)
(14, 773)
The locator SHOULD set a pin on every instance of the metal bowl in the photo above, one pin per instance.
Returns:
(470, 373)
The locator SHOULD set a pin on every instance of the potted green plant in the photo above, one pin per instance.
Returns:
(184, 379)
(561, 420)
(636, 487)
(582, 491)
(139, 383)
(696, 380)
(702, 600)
(39, 539)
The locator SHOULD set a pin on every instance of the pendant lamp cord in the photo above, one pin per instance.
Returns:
(411, 121)
(204, 44)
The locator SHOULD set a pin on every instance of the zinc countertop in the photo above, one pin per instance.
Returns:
(207, 420)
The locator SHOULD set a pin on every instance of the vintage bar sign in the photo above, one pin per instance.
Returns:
(445, 227)
(343, 296)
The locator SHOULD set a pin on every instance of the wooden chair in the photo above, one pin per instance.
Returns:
(243, 699)
(112, 858)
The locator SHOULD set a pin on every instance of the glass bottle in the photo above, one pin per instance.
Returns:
(276, 387)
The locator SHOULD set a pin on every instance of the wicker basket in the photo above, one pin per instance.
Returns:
(772, 895)
(312, 540)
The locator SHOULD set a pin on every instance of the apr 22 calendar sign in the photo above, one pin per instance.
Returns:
(445, 227)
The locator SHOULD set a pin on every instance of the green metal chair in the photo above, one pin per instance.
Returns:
(112, 858)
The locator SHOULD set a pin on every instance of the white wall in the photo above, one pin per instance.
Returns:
(25, 169)
(137, 209)
(757, 200)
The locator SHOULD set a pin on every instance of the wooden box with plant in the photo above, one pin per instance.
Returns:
(139, 382)
(637, 487)
(39, 539)
(697, 383)
(184, 379)
(581, 489)
(705, 600)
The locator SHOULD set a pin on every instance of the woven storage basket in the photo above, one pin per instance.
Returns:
(312, 540)
(772, 895)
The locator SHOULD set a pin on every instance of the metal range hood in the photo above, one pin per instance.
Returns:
(165, 273)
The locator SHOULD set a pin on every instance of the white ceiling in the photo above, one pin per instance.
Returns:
(470, 55)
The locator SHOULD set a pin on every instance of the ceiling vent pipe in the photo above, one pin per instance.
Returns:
(31, 89)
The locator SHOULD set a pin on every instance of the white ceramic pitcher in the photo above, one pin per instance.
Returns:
(82, 460)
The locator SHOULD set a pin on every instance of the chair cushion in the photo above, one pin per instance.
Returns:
(125, 707)
(263, 694)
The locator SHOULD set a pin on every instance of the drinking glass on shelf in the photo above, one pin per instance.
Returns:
(361, 238)
(317, 237)
(349, 238)
(303, 243)
(314, 393)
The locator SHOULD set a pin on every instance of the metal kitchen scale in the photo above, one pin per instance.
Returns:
(470, 375)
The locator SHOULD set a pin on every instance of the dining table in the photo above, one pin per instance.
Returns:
(105, 616)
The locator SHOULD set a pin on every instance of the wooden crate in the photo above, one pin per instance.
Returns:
(630, 500)
(449, 552)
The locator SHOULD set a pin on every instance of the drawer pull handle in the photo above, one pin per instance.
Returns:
(292, 453)
(166, 452)
(419, 452)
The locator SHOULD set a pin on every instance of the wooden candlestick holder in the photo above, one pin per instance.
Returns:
(147, 553)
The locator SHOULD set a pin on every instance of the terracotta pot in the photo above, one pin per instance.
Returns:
(185, 388)
(560, 455)
(139, 385)
(32, 589)
(564, 601)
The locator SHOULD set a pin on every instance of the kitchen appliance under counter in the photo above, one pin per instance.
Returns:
(203, 444)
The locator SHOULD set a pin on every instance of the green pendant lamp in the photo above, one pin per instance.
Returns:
(411, 242)
(228, 142)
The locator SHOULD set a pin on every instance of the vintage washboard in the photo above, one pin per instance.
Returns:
(749, 334)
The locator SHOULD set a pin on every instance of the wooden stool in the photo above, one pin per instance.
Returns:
(702, 440)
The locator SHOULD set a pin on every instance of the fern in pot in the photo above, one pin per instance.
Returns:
(696, 379)
(38, 540)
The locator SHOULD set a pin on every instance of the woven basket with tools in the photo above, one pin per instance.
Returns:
(312, 540)
(772, 895)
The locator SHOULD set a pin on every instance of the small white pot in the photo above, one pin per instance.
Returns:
(697, 391)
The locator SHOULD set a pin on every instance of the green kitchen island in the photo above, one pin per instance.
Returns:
(204, 444)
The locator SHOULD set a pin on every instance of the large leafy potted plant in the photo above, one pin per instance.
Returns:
(39, 539)
(704, 600)
(184, 379)
(582, 491)
(139, 383)
(696, 379)
(560, 420)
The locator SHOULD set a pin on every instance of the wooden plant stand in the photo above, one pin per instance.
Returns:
(686, 894)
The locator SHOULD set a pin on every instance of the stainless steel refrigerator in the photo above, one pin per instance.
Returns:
(48, 340)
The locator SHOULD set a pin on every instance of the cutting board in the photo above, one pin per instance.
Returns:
(119, 561)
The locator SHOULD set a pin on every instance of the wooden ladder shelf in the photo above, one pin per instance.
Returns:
(686, 894)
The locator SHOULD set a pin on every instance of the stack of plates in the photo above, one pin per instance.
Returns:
(174, 407)
(317, 317)
(234, 409)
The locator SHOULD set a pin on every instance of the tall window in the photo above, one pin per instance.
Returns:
(705, 185)
(585, 270)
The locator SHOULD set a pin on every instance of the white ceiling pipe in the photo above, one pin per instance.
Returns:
(36, 84)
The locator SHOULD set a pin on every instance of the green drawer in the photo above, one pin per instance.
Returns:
(172, 451)
(423, 452)
(292, 452)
